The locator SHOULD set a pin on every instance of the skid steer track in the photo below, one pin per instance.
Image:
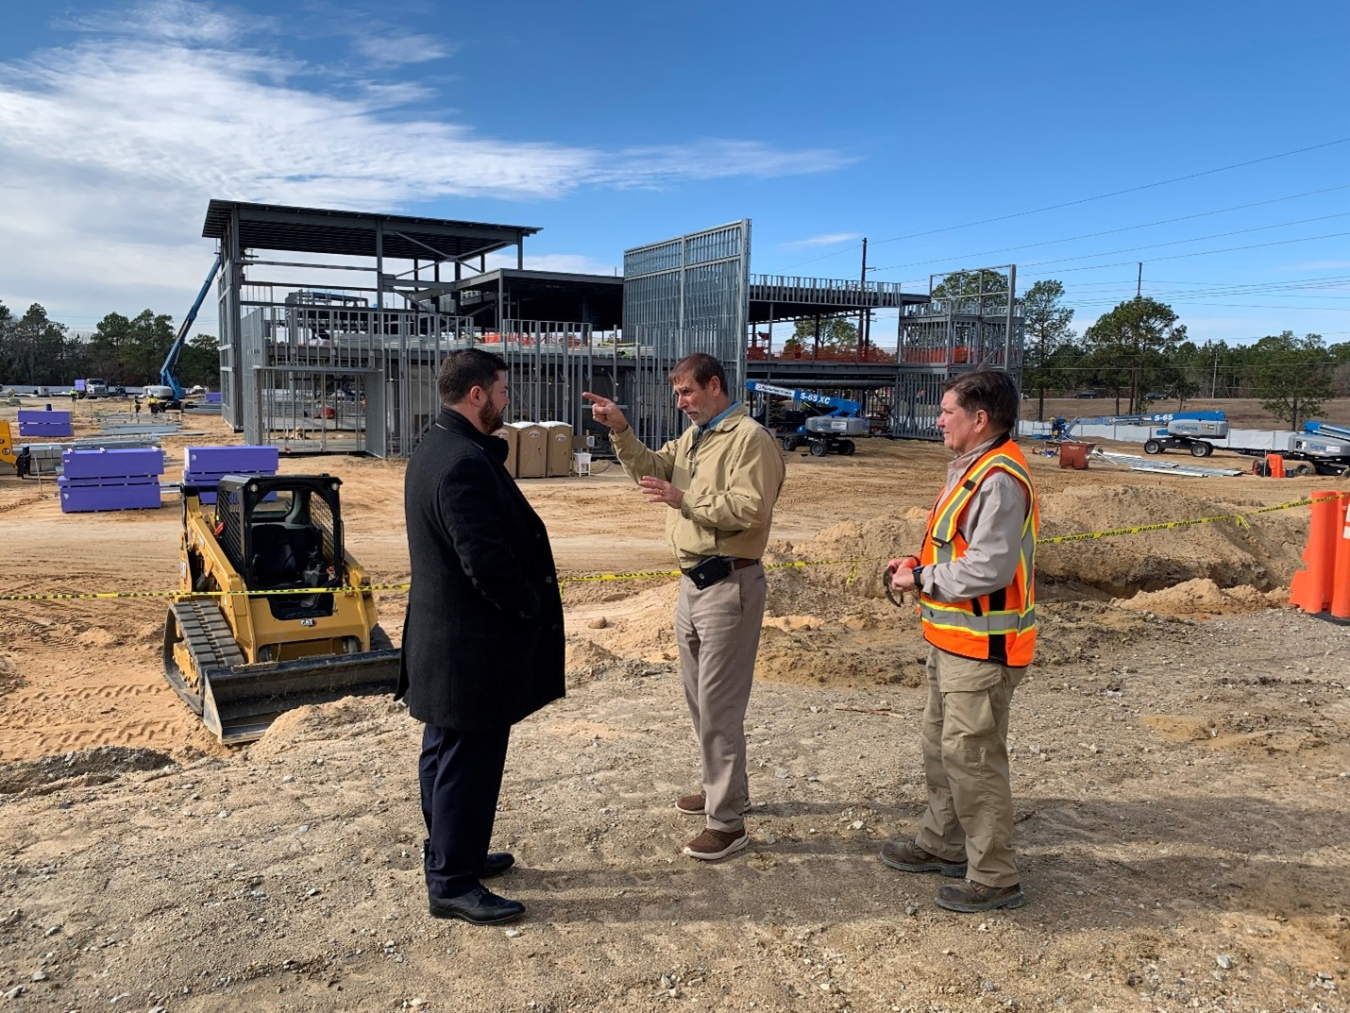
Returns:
(239, 701)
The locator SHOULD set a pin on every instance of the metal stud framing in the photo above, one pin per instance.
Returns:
(684, 295)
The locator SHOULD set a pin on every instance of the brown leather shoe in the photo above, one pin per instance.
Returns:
(712, 844)
(907, 856)
(970, 897)
(692, 805)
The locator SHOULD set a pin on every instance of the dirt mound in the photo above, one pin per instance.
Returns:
(10, 679)
(322, 722)
(1263, 553)
(91, 766)
(97, 638)
(862, 546)
(586, 660)
(1202, 598)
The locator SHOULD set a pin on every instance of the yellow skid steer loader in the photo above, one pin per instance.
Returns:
(272, 613)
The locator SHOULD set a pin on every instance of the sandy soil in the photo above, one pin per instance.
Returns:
(1180, 769)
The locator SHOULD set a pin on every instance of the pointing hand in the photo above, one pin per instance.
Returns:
(606, 412)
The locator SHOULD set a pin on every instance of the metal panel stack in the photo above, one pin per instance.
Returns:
(110, 480)
(44, 423)
(205, 466)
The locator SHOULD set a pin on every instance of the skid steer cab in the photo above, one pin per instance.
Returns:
(272, 612)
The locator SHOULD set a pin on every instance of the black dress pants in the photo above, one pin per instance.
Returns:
(461, 778)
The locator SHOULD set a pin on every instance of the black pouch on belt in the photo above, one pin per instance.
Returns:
(709, 572)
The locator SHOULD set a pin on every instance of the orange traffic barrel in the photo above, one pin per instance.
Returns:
(1311, 586)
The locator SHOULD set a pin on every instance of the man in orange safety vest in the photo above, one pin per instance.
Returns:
(975, 579)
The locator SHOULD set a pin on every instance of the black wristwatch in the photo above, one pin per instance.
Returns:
(918, 577)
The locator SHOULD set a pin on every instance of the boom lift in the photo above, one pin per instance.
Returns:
(1321, 449)
(1187, 434)
(825, 433)
(272, 611)
(168, 376)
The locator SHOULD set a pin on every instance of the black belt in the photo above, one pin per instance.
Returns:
(735, 563)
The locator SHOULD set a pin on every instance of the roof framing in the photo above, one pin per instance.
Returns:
(357, 233)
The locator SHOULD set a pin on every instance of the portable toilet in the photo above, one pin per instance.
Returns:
(558, 436)
(511, 435)
(531, 450)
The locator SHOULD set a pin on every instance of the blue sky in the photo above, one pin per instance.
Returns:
(610, 125)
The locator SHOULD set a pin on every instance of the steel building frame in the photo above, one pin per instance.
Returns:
(311, 362)
(680, 296)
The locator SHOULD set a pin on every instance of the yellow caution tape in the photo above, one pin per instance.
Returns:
(1239, 518)
(92, 595)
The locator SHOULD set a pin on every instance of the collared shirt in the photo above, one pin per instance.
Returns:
(992, 527)
(700, 430)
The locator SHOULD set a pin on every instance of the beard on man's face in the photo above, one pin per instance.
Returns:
(490, 417)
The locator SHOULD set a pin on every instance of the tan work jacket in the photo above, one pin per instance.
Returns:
(730, 483)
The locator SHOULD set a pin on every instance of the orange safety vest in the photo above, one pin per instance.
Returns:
(1001, 626)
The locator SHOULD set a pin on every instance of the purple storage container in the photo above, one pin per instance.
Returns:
(230, 461)
(206, 465)
(113, 466)
(44, 423)
(136, 495)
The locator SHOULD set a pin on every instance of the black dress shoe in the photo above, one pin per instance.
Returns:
(479, 907)
(496, 863)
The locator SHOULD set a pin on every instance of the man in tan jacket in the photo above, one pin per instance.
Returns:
(719, 481)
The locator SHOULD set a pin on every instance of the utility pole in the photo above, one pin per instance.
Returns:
(1139, 282)
(1214, 381)
(862, 297)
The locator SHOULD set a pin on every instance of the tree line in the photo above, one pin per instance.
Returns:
(1140, 350)
(37, 350)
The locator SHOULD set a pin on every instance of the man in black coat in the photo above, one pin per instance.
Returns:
(483, 638)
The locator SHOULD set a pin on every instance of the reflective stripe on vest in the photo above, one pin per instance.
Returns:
(991, 627)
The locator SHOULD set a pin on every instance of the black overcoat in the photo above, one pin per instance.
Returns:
(483, 638)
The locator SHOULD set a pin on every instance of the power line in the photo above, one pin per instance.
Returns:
(1084, 200)
(1230, 305)
(1127, 228)
(1194, 239)
(1180, 256)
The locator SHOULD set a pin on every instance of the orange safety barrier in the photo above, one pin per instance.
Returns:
(1340, 589)
(1325, 581)
(1275, 465)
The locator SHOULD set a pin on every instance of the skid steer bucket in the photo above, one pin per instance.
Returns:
(240, 703)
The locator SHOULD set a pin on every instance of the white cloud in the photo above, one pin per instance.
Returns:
(401, 47)
(828, 239)
(112, 146)
(177, 20)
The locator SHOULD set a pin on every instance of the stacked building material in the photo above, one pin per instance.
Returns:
(205, 466)
(44, 423)
(110, 480)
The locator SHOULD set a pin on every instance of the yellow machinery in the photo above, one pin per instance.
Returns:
(292, 626)
(7, 454)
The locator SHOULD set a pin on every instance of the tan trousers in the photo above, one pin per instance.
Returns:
(965, 765)
(717, 630)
